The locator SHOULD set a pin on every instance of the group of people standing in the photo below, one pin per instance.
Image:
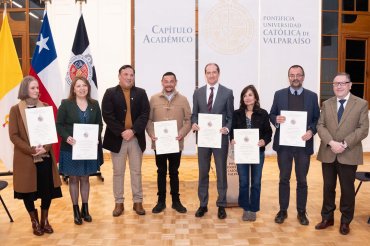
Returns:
(342, 125)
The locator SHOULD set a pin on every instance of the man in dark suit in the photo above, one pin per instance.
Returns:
(125, 110)
(213, 98)
(343, 124)
(294, 98)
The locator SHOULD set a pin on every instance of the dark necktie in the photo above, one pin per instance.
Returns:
(295, 93)
(341, 109)
(210, 100)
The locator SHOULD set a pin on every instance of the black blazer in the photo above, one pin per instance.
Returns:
(68, 114)
(114, 114)
(260, 120)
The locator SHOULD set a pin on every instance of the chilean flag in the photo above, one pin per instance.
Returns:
(45, 68)
(81, 62)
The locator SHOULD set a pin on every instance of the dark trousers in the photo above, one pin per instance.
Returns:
(204, 163)
(347, 175)
(173, 167)
(285, 156)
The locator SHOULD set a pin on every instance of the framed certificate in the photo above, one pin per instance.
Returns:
(294, 127)
(41, 126)
(86, 146)
(246, 149)
(166, 133)
(209, 134)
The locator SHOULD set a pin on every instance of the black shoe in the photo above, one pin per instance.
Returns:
(302, 218)
(85, 212)
(77, 215)
(221, 213)
(281, 216)
(201, 211)
(159, 207)
(179, 207)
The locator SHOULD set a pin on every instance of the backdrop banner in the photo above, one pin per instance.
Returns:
(165, 41)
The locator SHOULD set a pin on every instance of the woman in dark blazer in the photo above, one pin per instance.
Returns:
(82, 109)
(35, 172)
(251, 115)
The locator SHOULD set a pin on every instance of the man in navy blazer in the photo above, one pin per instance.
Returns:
(125, 109)
(213, 98)
(294, 98)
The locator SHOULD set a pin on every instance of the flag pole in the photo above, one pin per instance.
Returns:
(81, 1)
(45, 2)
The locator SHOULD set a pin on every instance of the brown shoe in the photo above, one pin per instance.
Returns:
(344, 228)
(37, 230)
(45, 226)
(324, 224)
(138, 207)
(118, 210)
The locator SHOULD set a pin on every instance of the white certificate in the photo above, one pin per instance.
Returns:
(209, 134)
(166, 133)
(294, 127)
(86, 146)
(41, 126)
(246, 149)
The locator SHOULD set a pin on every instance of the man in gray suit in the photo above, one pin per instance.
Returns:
(213, 98)
(343, 124)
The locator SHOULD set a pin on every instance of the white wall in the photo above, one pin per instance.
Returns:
(108, 24)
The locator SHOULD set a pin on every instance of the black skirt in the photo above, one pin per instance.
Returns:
(45, 184)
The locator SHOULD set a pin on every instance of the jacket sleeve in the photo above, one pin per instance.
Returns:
(274, 111)
(229, 110)
(266, 129)
(150, 124)
(362, 128)
(108, 113)
(194, 115)
(315, 116)
(322, 130)
(14, 133)
(233, 126)
(140, 122)
(61, 120)
(185, 129)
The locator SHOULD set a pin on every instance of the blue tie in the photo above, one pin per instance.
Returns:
(341, 109)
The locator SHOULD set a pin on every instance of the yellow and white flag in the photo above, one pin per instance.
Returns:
(10, 78)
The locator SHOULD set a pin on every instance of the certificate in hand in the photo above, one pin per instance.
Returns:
(246, 149)
(41, 126)
(209, 135)
(294, 127)
(86, 146)
(166, 133)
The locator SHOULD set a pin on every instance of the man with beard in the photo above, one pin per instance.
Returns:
(294, 98)
(169, 104)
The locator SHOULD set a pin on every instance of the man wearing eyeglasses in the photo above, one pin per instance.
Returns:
(294, 98)
(343, 124)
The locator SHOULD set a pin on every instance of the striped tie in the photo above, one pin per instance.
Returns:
(210, 100)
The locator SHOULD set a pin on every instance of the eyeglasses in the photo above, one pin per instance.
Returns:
(336, 84)
(298, 76)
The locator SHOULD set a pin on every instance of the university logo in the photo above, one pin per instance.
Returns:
(228, 27)
(80, 65)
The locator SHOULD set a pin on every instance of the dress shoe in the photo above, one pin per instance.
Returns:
(281, 216)
(159, 207)
(344, 228)
(324, 224)
(201, 211)
(221, 213)
(85, 212)
(179, 207)
(36, 227)
(77, 215)
(138, 208)
(302, 218)
(45, 226)
(118, 210)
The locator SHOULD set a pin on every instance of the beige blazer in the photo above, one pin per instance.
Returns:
(353, 128)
